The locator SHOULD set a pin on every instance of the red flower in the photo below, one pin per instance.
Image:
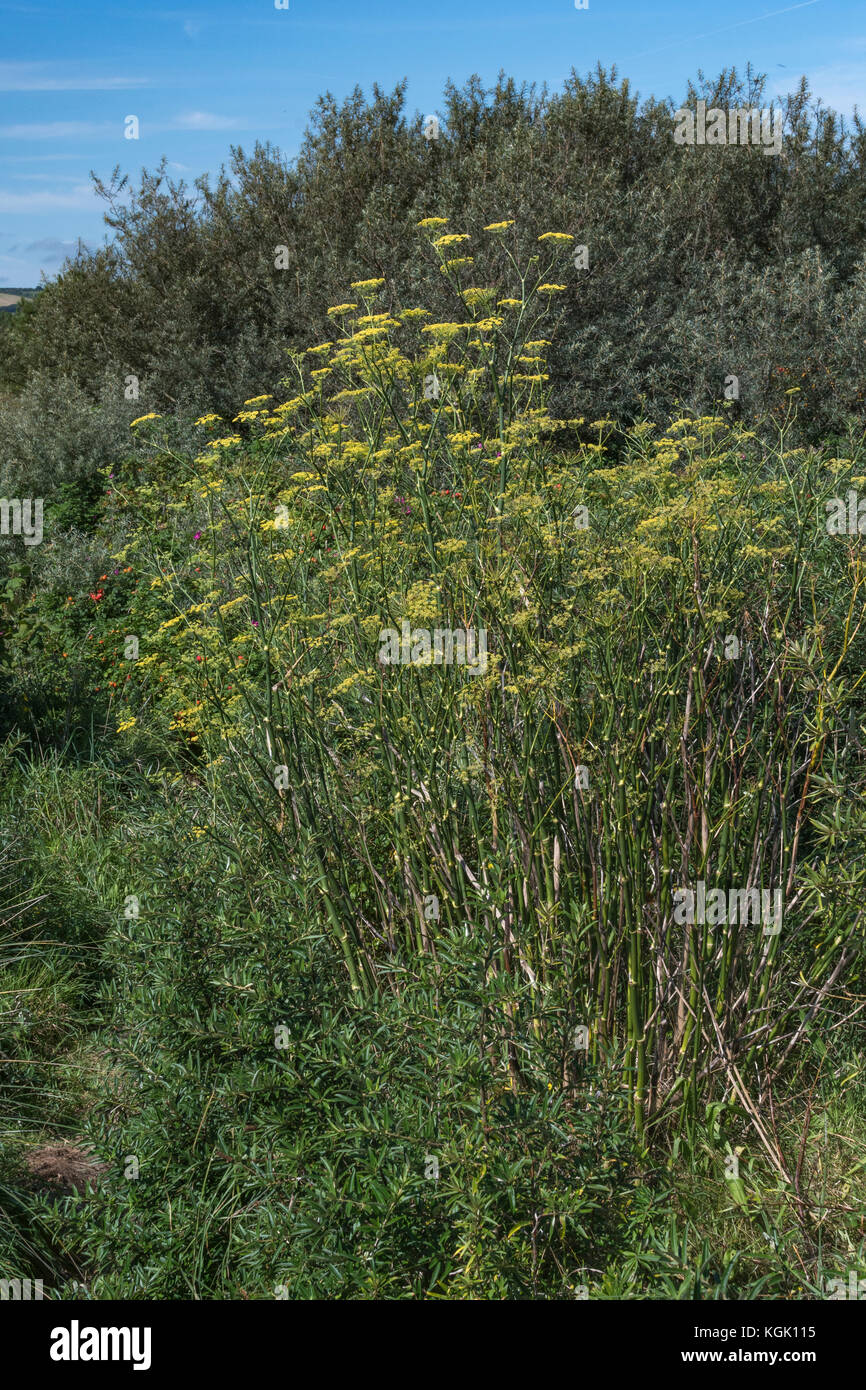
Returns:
(97, 596)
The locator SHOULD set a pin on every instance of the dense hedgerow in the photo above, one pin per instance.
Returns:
(702, 262)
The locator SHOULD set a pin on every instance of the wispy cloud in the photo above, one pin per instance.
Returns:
(58, 130)
(725, 29)
(35, 159)
(71, 130)
(24, 264)
(54, 77)
(47, 200)
(52, 247)
(841, 86)
(47, 178)
(204, 120)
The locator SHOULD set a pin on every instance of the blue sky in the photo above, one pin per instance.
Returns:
(204, 77)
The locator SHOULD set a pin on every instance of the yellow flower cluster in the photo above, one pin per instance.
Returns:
(444, 331)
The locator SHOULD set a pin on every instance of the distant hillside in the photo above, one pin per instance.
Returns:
(11, 298)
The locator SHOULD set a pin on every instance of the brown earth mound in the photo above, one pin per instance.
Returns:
(64, 1168)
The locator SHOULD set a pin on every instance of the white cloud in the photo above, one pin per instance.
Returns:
(47, 178)
(69, 130)
(45, 201)
(45, 77)
(203, 120)
(840, 86)
(35, 159)
(57, 130)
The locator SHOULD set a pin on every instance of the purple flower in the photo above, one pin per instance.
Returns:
(196, 536)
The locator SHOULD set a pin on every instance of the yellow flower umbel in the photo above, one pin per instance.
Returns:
(224, 443)
(450, 240)
(443, 331)
(422, 602)
(474, 295)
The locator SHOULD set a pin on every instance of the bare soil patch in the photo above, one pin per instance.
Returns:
(64, 1168)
